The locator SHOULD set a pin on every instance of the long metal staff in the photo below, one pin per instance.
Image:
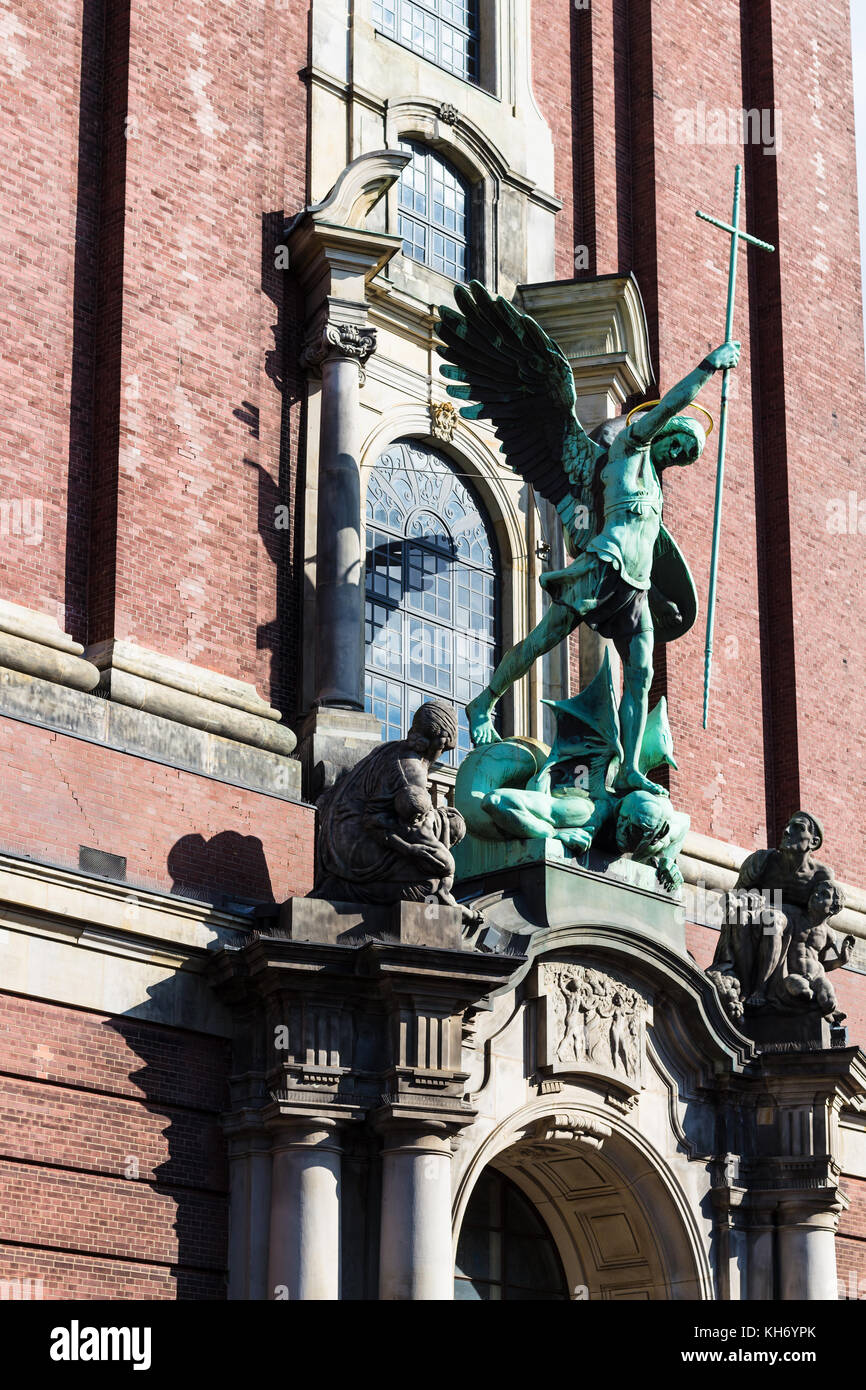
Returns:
(736, 237)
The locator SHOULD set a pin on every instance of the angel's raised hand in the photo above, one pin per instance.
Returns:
(724, 357)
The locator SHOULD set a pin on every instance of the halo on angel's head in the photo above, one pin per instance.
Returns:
(647, 405)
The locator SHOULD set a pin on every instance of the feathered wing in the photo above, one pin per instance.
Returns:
(520, 380)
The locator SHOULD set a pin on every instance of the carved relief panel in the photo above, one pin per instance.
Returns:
(590, 1020)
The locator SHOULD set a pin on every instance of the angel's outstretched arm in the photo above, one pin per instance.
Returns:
(647, 426)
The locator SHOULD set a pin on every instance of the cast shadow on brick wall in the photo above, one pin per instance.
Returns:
(176, 1163)
(229, 870)
(274, 424)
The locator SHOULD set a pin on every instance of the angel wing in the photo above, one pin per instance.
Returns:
(520, 380)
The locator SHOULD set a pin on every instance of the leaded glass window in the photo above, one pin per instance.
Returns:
(431, 589)
(433, 212)
(443, 31)
(505, 1251)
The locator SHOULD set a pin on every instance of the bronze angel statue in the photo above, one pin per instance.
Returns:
(627, 579)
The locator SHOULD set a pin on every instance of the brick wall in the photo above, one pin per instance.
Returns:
(39, 97)
(179, 832)
(112, 1161)
(158, 150)
(554, 85)
(851, 1242)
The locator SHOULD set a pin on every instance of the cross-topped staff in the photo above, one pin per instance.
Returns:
(737, 235)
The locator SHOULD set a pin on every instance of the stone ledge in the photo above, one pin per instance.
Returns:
(192, 695)
(35, 644)
(45, 899)
(81, 942)
(143, 734)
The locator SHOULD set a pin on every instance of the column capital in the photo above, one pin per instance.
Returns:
(403, 1132)
(819, 1211)
(335, 341)
(321, 1132)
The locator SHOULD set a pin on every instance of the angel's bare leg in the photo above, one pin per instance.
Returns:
(554, 627)
(637, 674)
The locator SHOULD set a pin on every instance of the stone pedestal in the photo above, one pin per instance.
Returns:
(331, 741)
(538, 884)
(789, 1032)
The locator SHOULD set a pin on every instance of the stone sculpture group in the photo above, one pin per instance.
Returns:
(776, 947)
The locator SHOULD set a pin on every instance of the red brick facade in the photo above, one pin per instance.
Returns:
(113, 1166)
(179, 832)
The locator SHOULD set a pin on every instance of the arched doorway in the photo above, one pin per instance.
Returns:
(601, 1209)
(506, 1251)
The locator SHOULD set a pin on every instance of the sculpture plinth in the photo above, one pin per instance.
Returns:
(547, 892)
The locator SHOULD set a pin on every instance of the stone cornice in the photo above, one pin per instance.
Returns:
(48, 900)
(600, 324)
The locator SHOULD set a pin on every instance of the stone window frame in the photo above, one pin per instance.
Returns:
(426, 545)
(478, 162)
(434, 158)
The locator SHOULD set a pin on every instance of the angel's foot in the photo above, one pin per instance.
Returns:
(479, 712)
(635, 781)
(575, 838)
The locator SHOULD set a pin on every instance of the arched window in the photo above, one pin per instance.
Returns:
(443, 31)
(433, 202)
(431, 589)
(505, 1250)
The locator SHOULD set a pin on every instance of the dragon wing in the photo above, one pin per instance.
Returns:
(587, 732)
(521, 381)
(657, 745)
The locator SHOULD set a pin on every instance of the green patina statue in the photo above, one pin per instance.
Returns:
(628, 579)
(514, 789)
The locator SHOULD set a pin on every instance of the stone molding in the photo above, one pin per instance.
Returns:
(138, 733)
(600, 324)
(189, 694)
(111, 948)
(331, 250)
(343, 1011)
(35, 644)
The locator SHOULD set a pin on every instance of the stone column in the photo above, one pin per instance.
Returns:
(341, 349)
(806, 1239)
(761, 1259)
(305, 1210)
(415, 1259)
